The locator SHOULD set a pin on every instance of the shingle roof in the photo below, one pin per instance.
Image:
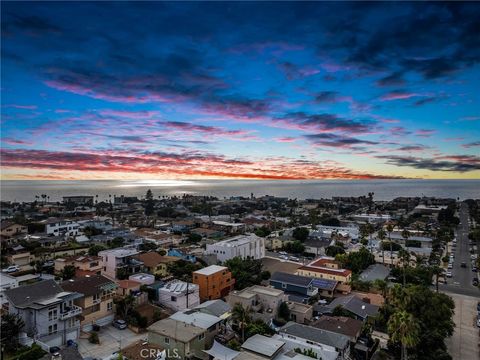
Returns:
(292, 279)
(355, 305)
(27, 295)
(214, 307)
(89, 285)
(263, 345)
(325, 337)
(339, 324)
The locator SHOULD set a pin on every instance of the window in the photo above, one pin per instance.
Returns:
(284, 286)
(167, 340)
(52, 329)
(96, 297)
(110, 306)
(201, 336)
(52, 314)
(173, 298)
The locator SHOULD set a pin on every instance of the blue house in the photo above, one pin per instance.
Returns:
(298, 288)
(180, 254)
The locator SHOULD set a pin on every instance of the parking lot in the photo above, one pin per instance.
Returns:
(464, 344)
(111, 340)
(275, 264)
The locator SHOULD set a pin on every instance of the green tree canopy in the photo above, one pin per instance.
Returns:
(246, 272)
(300, 233)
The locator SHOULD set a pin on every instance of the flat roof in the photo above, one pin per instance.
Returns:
(263, 345)
(209, 270)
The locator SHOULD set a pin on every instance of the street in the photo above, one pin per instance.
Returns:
(464, 344)
(461, 281)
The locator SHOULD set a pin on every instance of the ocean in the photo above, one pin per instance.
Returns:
(25, 190)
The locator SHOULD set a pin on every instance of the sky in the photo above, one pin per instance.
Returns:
(254, 90)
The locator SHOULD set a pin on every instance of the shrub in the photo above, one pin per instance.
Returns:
(93, 338)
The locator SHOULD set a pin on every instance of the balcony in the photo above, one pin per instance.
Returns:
(70, 312)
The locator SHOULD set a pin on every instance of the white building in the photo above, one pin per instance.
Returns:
(142, 278)
(179, 295)
(58, 227)
(244, 246)
(120, 259)
(6, 282)
(324, 231)
(47, 310)
(372, 218)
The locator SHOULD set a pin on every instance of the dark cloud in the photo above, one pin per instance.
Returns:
(328, 122)
(459, 164)
(393, 79)
(472, 144)
(336, 141)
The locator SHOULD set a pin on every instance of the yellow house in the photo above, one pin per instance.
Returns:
(97, 302)
(155, 263)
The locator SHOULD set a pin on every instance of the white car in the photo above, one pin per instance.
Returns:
(293, 258)
(449, 274)
(284, 257)
(282, 253)
(11, 269)
(450, 266)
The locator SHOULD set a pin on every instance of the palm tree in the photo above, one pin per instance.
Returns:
(381, 236)
(242, 316)
(404, 256)
(403, 328)
(437, 271)
(390, 230)
(381, 285)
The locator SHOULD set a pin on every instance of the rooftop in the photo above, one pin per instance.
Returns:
(263, 345)
(89, 285)
(374, 272)
(176, 329)
(320, 336)
(339, 272)
(237, 240)
(196, 318)
(339, 324)
(209, 270)
(291, 279)
(119, 252)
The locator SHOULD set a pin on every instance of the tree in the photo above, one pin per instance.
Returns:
(300, 233)
(149, 205)
(182, 269)
(283, 311)
(194, 238)
(437, 271)
(381, 236)
(116, 242)
(404, 328)
(95, 249)
(125, 305)
(241, 316)
(382, 286)
(390, 230)
(68, 272)
(263, 231)
(405, 259)
(356, 261)
(334, 250)
(246, 272)
(295, 247)
(11, 325)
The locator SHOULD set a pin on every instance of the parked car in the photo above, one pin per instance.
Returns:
(284, 257)
(120, 324)
(463, 264)
(11, 269)
(478, 322)
(478, 306)
(293, 258)
(450, 266)
(475, 282)
(282, 253)
(54, 350)
(449, 274)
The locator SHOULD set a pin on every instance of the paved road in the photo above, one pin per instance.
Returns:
(461, 282)
(464, 344)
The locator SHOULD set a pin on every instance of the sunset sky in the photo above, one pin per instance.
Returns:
(240, 90)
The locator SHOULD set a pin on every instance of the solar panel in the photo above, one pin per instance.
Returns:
(324, 284)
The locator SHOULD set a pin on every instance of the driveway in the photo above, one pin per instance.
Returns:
(111, 340)
(464, 344)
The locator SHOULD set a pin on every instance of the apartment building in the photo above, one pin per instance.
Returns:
(244, 246)
(120, 262)
(214, 282)
(329, 269)
(48, 311)
(58, 227)
(97, 301)
(179, 295)
(84, 265)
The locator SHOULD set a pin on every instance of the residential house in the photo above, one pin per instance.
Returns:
(84, 265)
(360, 309)
(120, 261)
(259, 299)
(47, 310)
(214, 281)
(186, 333)
(299, 312)
(62, 227)
(142, 278)
(208, 233)
(21, 258)
(244, 246)
(181, 255)
(228, 227)
(217, 308)
(299, 287)
(264, 346)
(6, 282)
(10, 228)
(341, 325)
(179, 295)
(97, 301)
(325, 344)
(155, 263)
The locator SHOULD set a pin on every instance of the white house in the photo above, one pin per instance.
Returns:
(6, 282)
(244, 246)
(47, 310)
(120, 258)
(179, 295)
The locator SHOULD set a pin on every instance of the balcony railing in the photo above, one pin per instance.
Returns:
(73, 311)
